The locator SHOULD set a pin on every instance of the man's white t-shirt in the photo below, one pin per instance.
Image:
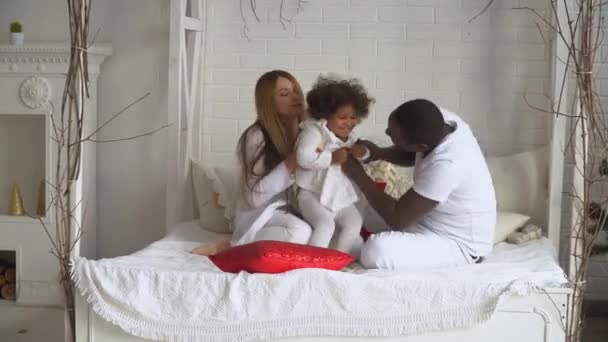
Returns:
(456, 175)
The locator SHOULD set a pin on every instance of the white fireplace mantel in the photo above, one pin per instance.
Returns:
(32, 76)
(47, 58)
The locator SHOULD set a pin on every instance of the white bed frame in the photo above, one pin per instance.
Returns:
(539, 317)
(534, 318)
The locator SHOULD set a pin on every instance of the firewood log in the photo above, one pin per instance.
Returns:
(10, 275)
(9, 292)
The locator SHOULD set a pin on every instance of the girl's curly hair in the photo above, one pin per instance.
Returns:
(329, 94)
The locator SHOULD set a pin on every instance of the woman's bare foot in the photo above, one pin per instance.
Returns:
(212, 248)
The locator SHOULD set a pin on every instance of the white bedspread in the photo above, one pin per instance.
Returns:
(163, 292)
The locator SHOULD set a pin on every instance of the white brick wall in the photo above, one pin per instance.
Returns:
(400, 49)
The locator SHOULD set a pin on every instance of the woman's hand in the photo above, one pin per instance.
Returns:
(339, 156)
(291, 162)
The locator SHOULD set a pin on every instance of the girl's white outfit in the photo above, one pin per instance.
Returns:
(326, 197)
(261, 210)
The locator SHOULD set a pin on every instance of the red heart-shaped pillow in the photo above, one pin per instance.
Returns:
(277, 257)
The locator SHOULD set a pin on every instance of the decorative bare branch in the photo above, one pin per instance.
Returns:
(484, 10)
(253, 9)
(282, 18)
(579, 30)
(119, 113)
(65, 229)
(132, 137)
(245, 27)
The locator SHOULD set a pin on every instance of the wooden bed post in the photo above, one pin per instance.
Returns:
(185, 95)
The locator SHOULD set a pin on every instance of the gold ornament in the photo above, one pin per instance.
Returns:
(16, 206)
(41, 210)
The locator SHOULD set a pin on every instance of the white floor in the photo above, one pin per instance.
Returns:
(30, 324)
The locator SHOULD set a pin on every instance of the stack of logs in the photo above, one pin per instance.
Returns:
(8, 286)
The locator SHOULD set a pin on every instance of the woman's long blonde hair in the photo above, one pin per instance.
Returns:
(278, 143)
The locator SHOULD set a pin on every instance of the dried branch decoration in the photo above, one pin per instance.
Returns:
(578, 28)
(68, 136)
(283, 19)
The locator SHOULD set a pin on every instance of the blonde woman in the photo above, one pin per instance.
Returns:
(268, 162)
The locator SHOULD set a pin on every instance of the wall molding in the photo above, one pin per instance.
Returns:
(46, 58)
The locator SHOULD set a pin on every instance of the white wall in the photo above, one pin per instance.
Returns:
(132, 174)
(400, 49)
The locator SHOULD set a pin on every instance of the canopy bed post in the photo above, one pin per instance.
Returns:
(559, 53)
(185, 94)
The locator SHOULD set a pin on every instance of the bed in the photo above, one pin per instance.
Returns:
(518, 292)
(163, 292)
(522, 291)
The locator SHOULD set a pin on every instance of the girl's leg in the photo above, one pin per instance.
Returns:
(284, 226)
(320, 218)
(349, 239)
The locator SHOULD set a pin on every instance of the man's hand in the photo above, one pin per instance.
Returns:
(353, 168)
(339, 156)
(359, 151)
(375, 152)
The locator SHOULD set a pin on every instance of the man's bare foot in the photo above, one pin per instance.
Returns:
(212, 248)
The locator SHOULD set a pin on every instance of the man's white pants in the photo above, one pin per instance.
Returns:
(421, 249)
(417, 249)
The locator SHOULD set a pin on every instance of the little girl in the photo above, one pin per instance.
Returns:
(327, 196)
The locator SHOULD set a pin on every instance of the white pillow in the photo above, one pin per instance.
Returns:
(507, 223)
(521, 183)
(216, 190)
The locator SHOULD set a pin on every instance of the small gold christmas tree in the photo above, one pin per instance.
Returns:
(16, 204)
(41, 210)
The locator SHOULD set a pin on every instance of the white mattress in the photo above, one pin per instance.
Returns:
(164, 292)
(186, 236)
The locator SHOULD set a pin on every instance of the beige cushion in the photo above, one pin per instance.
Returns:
(216, 190)
(521, 183)
(507, 223)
